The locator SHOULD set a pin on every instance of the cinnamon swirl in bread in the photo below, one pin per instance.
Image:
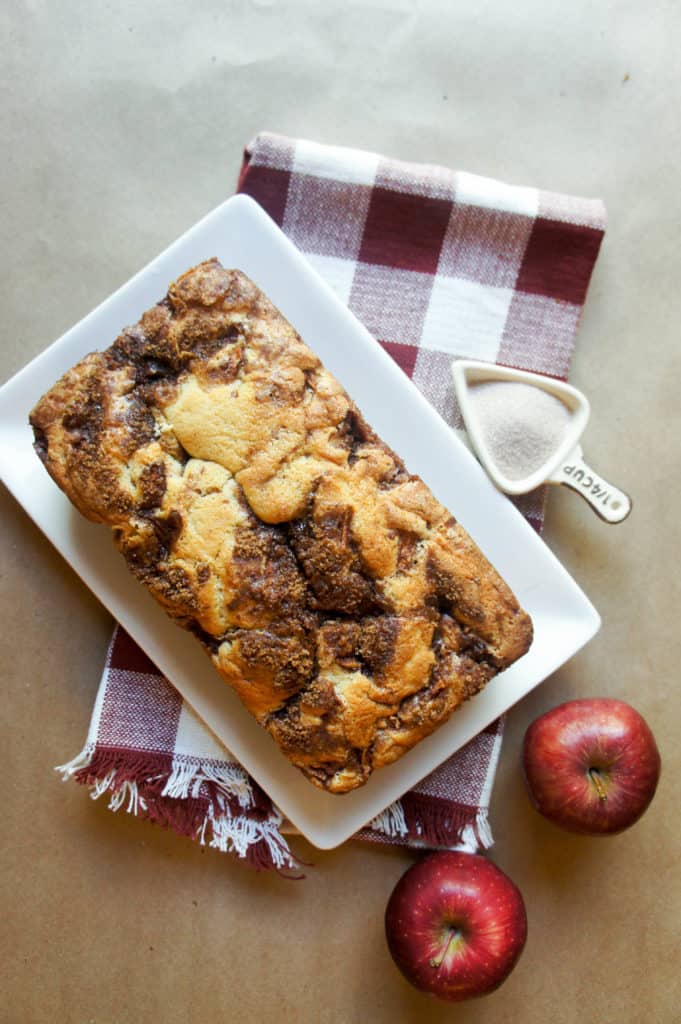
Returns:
(345, 606)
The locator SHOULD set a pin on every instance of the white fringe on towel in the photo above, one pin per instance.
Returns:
(391, 822)
(219, 828)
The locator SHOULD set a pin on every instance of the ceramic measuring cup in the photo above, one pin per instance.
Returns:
(565, 465)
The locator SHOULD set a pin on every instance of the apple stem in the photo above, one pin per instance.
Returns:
(437, 961)
(595, 776)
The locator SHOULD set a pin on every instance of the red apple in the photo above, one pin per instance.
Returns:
(591, 766)
(455, 925)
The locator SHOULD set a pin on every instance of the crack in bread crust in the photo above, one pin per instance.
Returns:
(332, 591)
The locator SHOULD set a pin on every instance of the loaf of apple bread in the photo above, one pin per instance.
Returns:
(345, 606)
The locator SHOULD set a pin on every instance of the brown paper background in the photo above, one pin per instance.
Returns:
(121, 124)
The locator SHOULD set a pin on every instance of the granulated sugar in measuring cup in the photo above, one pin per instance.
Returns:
(525, 430)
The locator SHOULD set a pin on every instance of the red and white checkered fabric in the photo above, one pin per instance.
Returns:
(436, 264)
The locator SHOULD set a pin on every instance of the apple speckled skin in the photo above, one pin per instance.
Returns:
(455, 925)
(591, 766)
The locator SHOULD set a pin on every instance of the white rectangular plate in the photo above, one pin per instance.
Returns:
(241, 235)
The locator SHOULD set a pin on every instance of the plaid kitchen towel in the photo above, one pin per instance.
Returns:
(436, 264)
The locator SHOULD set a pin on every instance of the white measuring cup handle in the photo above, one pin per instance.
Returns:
(606, 500)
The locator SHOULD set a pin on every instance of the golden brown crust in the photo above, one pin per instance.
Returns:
(341, 601)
